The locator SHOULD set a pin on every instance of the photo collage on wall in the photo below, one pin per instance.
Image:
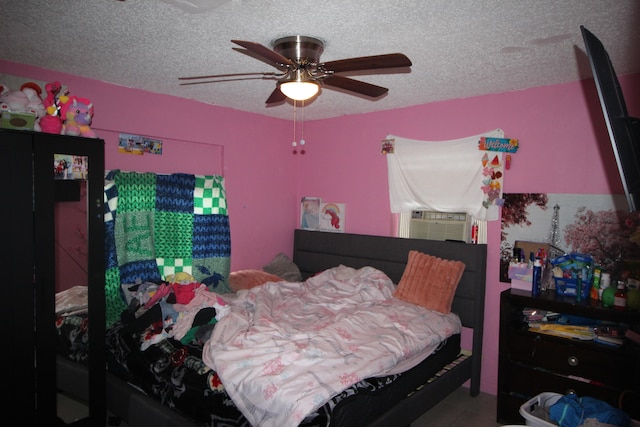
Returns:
(137, 144)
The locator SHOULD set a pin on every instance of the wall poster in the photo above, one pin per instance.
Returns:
(598, 225)
(332, 216)
(310, 213)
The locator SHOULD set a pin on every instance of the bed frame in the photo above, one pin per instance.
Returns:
(315, 251)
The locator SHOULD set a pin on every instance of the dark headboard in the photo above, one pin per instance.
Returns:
(315, 251)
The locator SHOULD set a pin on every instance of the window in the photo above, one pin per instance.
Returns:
(433, 225)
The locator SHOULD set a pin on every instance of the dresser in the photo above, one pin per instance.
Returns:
(28, 234)
(531, 363)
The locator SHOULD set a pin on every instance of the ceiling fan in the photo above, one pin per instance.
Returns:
(301, 73)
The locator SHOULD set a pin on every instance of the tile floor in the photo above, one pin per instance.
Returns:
(459, 409)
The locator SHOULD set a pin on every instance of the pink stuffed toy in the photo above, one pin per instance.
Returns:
(52, 122)
(77, 114)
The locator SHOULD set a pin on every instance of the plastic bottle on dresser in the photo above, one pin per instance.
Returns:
(595, 286)
(536, 279)
(605, 282)
(620, 297)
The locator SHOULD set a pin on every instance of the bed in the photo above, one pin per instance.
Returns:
(396, 399)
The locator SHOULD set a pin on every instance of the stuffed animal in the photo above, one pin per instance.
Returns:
(25, 100)
(52, 122)
(77, 114)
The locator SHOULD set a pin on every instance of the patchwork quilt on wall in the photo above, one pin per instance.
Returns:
(158, 225)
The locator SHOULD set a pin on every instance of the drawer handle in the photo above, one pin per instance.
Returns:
(535, 343)
(572, 361)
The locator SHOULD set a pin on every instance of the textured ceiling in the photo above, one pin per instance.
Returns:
(459, 48)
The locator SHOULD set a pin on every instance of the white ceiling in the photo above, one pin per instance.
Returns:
(459, 48)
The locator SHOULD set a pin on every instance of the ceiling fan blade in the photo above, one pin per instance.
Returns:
(391, 60)
(225, 76)
(356, 86)
(259, 58)
(264, 52)
(276, 97)
(223, 80)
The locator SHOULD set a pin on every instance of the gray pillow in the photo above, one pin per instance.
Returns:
(283, 267)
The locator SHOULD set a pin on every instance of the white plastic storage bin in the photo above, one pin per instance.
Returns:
(536, 410)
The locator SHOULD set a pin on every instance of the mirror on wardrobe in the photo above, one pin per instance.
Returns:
(70, 195)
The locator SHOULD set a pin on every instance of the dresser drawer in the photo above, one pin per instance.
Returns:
(526, 382)
(568, 357)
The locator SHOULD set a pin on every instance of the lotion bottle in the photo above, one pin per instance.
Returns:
(536, 279)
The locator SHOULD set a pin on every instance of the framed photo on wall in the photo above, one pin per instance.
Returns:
(332, 216)
(310, 213)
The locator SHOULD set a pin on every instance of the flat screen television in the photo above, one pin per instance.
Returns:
(624, 131)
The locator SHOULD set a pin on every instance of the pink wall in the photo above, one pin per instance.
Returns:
(254, 150)
(564, 149)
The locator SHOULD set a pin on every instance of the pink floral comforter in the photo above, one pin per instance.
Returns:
(285, 348)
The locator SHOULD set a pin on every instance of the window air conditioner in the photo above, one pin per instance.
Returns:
(440, 226)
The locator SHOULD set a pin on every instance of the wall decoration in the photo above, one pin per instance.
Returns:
(332, 217)
(136, 144)
(498, 144)
(310, 213)
(492, 177)
(387, 146)
(598, 225)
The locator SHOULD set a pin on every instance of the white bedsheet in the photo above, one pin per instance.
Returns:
(285, 348)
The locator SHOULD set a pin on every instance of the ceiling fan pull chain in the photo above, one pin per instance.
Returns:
(294, 143)
(302, 141)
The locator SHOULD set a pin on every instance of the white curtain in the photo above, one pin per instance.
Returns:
(446, 176)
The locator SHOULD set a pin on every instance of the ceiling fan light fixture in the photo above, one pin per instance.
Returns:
(299, 91)
(300, 87)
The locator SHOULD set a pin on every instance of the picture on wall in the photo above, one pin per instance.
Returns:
(137, 144)
(332, 216)
(598, 225)
(310, 213)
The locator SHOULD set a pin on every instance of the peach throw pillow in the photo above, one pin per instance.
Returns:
(429, 281)
(247, 279)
